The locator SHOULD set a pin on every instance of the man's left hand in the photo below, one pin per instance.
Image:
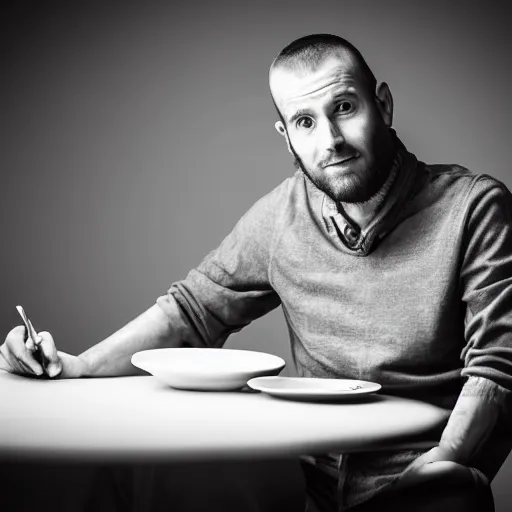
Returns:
(433, 464)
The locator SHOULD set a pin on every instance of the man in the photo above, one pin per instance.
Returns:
(387, 269)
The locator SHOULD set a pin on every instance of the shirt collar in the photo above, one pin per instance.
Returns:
(361, 241)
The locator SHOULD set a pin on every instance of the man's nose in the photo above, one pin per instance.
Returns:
(330, 135)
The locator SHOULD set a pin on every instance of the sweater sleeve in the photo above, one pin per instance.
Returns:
(486, 281)
(231, 287)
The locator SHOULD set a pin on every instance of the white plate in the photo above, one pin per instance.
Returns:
(304, 388)
(206, 369)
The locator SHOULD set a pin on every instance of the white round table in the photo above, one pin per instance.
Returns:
(138, 418)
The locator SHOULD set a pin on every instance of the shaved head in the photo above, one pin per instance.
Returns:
(307, 53)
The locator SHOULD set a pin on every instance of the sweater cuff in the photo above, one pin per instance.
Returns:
(486, 389)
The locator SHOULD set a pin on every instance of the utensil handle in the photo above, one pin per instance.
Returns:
(42, 360)
(37, 350)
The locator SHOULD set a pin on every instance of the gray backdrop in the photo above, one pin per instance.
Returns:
(134, 135)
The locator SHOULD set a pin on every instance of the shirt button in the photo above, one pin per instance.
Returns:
(351, 235)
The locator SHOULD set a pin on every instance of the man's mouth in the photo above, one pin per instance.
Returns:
(342, 161)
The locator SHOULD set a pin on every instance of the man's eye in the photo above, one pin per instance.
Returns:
(305, 122)
(345, 107)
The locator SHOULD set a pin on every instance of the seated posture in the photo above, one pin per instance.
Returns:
(387, 269)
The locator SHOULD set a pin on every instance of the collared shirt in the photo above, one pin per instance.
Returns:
(421, 303)
(339, 226)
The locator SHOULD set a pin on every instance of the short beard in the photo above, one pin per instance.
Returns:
(353, 192)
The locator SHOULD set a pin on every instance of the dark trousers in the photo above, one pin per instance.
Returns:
(454, 488)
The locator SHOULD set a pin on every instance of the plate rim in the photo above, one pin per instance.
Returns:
(279, 364)
(311, 392)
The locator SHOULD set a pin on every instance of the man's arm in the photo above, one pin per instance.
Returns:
(473, 419)
(486, 284)
(229, 289)
(471, 422)
(112, 356)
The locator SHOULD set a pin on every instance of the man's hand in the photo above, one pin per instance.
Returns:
(438, 462)
(16, 357)
(439, 453)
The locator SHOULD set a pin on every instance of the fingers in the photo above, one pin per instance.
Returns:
(18, 354)
(446, 471)
(5, 363)
(30, 344)
(442, 471)
(54, 366)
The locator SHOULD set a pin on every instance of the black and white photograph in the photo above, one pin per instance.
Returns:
(256, 256)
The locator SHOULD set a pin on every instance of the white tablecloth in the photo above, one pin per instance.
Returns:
(138, 418)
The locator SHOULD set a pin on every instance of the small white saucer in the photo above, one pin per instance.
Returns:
(315, 389)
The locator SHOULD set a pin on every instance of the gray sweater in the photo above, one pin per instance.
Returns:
(419, 301)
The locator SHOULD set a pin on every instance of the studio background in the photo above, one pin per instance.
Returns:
(133, 136)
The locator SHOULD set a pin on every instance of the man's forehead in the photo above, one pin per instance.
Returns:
(290, 86)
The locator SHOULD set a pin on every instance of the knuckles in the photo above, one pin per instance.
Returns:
(19, 330)
(15, 336)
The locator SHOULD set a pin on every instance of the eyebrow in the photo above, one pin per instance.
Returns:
(304, 111)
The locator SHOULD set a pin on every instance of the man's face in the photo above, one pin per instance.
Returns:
(335, 127)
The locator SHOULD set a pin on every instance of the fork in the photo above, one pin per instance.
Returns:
(37, 349)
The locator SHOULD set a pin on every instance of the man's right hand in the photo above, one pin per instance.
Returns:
(16, 357)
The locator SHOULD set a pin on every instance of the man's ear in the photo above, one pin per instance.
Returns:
(279, 126)
(385, 103)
